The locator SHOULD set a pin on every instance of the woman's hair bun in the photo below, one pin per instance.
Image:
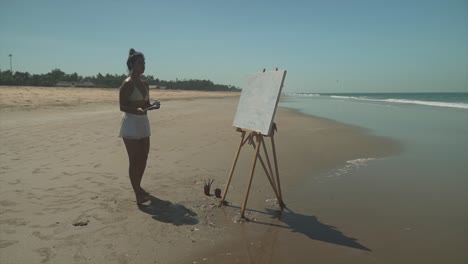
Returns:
(131, 52)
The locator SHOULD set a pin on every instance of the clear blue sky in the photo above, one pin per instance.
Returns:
(326, 46)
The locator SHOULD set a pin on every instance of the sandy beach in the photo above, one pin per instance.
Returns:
(65, 194)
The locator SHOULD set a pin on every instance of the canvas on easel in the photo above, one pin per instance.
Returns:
(255, 120)
(258, 101)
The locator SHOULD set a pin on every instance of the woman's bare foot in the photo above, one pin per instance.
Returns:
(141, 197)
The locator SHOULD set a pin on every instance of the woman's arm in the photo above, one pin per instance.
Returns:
(147, 103)
(151, 105)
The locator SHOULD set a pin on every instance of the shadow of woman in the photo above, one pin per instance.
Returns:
(167, 212)
(314, 229)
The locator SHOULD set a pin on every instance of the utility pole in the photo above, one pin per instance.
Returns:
(11, 68)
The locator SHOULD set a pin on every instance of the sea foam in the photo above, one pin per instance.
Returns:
(458, 105)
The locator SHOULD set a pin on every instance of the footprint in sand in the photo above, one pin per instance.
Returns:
(14, 182)
(46, 253)
(14, 222)
(7, 203)
(7, 243)
(41, 236)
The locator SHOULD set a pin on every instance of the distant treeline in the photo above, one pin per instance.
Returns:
(57, 77)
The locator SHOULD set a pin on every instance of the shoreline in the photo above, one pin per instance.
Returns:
(67, 197)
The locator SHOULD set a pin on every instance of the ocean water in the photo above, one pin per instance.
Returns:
(422, 191)
(452, 100)
(431, 125)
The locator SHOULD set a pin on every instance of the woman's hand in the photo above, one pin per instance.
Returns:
(140, 110)
(155, 105)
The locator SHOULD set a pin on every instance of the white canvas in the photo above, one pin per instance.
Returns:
(258, 101)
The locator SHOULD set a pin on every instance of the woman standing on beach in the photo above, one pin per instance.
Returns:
(135, 129)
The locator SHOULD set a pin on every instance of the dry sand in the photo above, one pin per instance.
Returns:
(65, 194)
(24, 97)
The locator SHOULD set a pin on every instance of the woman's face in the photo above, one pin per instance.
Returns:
(139, 66)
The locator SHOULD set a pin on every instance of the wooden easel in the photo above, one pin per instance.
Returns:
(273, 176)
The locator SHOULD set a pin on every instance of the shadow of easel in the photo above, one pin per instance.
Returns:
(307, 225)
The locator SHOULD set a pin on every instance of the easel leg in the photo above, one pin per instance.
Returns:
(269, 174)
(272, 180)
(280, 201)
(254, 162)
(242, 142)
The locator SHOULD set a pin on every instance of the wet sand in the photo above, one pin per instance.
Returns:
(66, 198)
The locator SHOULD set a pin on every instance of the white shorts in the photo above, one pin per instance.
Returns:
(134, 126)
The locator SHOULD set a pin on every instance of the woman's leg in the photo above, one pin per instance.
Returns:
(144, 150)
(137, 150)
